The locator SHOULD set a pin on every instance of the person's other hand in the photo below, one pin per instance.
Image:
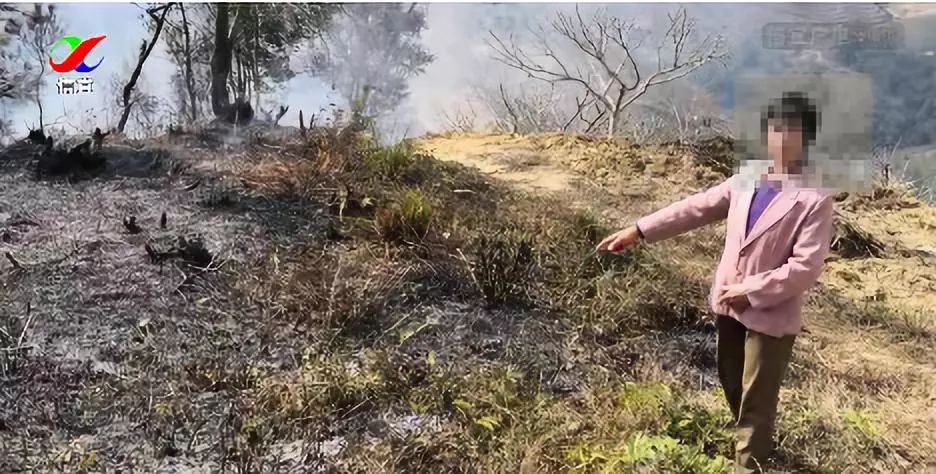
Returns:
(620, 240)
(735, 296)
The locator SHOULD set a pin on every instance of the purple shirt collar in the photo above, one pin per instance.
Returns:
(763, 195)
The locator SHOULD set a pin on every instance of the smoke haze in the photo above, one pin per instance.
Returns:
(458, 37)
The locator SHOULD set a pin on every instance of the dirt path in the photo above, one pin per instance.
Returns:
(520, 163)
(505, 158)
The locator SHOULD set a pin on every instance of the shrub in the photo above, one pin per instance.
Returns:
(416, 212)
(323, 384)
(613, 295)
(389, 225)
(503, 266)
(390, 161)
(697, 426)
(649, 427)
(407, 220)
(644, 402)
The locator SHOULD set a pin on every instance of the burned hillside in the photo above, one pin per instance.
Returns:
(322, 301)
(362, 238)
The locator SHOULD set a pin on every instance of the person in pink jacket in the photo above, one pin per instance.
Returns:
(778, 235)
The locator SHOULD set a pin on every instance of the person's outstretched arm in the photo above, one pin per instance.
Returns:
(690, 213)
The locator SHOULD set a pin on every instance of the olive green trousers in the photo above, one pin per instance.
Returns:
(751, 366)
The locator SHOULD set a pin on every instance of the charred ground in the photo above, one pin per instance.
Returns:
(315, 302)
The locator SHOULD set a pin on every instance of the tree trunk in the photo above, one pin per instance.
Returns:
(39, 103)
(612, 122)
(221, 62)
(144, 53)
(39, 95)
(39, 80)
(189, 77)
(238, 76)
(255, 67)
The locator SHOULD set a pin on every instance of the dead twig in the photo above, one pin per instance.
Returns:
(155, 256)
(185, 279)
(13, 261)
(851, 241)
(16, 349)
(29, 318)
(22, 221)
(513, 115)
(191, 442)
(280, 114)
(470, 269)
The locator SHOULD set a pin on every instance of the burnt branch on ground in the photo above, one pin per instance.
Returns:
(191, 251)
(851, 241)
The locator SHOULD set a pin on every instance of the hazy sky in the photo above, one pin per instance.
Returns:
(124, 30)
(457, 35)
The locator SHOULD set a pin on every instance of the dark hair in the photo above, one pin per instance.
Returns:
(793, 107)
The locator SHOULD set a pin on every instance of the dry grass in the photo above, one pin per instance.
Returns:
(826, 438)
(850, 241)
(860, 404)
(504, 266)
(403, 314)
(886, 195)
(546, 262)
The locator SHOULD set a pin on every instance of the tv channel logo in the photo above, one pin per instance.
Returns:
(799, 36)
(75, 61)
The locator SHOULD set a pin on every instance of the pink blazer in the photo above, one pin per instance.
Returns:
(777, 263)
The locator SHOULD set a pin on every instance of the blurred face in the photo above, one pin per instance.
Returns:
(785, 146)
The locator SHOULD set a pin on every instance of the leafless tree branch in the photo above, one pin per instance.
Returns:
(513, 115)
(616, 79)
(145, 51)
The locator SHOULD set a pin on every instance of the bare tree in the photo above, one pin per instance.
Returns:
(221, 61)
(606, 66)
(12, 71)
(158, 15)
(147, 112)
(684, 113)
(42, 29)
(460, 119)
(525, 109)
(189, 75)
(370, 54)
